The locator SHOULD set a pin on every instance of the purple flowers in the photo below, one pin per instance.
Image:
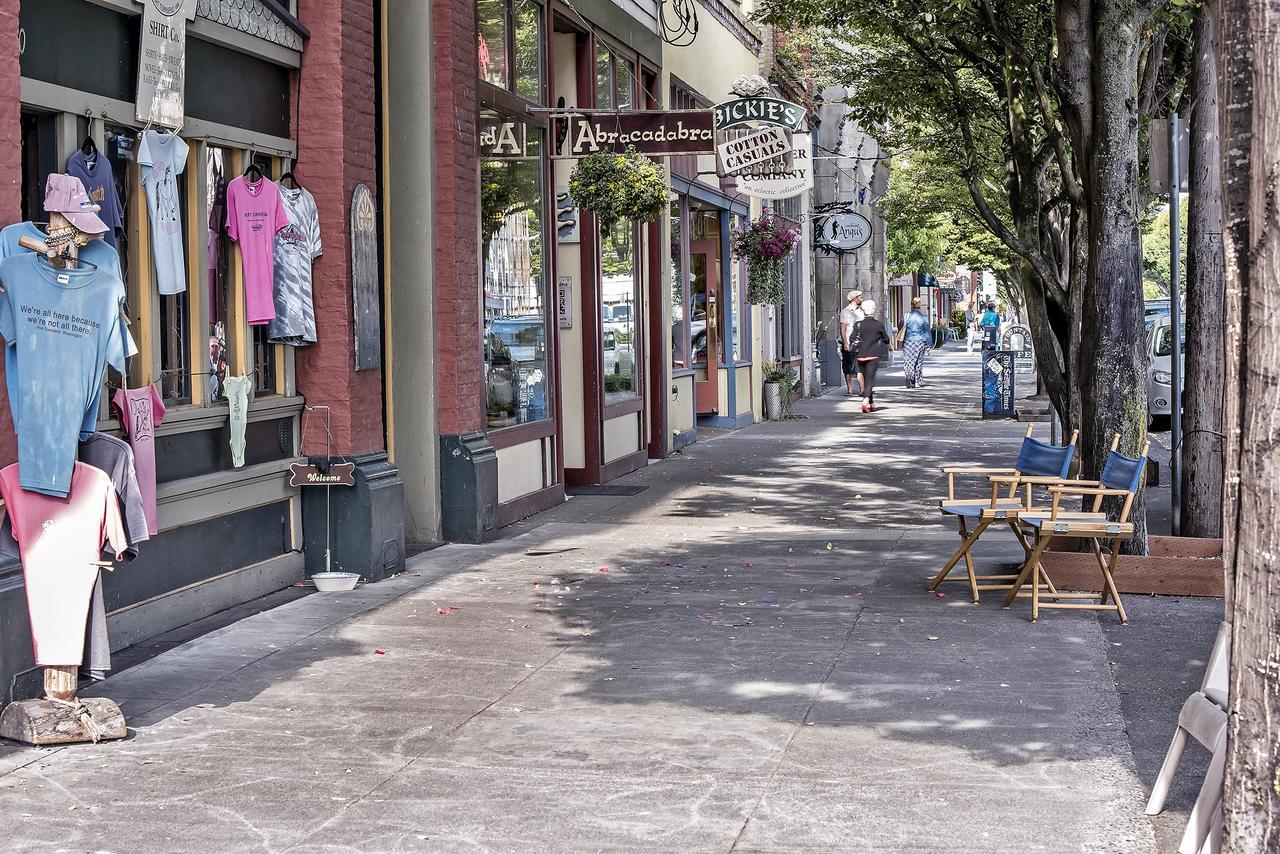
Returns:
(764, 244)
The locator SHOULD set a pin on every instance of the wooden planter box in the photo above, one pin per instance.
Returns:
(1175, 566)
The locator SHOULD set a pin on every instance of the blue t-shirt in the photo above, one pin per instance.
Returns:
(917, 327)
(100, 183)
(61, 329)
(95, 252)
(990, 319)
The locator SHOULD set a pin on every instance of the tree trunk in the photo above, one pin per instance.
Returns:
(1202, 441)
(1250, 47)
(1113, 355)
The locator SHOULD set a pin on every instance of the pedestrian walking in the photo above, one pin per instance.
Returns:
(970, 327)
(916, 336)
(990, 324)
(849, 319)
(872, 339)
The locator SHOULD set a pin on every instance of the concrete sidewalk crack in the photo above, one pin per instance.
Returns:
(804, 721)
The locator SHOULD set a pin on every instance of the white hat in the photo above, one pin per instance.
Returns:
(869, 307)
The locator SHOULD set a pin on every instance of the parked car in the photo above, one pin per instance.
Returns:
(1159, 376)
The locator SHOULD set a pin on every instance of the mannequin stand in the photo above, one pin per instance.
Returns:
(61, 717)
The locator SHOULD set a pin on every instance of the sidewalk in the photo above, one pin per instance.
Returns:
(740, 657)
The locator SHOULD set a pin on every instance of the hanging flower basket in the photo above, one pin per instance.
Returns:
(619, 186)
(765, 245)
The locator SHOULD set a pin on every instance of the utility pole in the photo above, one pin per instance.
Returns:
(1175, 323)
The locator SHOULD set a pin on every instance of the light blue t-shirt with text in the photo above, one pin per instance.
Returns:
(61, 327)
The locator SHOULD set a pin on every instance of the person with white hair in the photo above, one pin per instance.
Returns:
(869, 342)
(849, 318)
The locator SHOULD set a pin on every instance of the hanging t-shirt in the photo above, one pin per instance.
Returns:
(140, 411)
(163, 157)
(95, 252)
(297, 246)
(60, 540)
(254, 214)
(94, 171)
(61, 329)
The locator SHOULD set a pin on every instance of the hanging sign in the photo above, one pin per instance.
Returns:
(162, 61)
(783, 183)
(759, 111)
(997, 384)
(648, 132)
(757, 146)
(309, 474)
(364, 280)
(1016, 337)
(841, 231)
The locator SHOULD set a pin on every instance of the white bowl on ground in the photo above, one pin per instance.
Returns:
(328, 582)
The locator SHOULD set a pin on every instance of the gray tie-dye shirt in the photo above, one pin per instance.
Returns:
(297, 246)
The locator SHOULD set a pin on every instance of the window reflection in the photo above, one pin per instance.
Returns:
(217, 163)
(679, 293)
(515, 331)
(618, 310)
(528, 59)
(491, 38)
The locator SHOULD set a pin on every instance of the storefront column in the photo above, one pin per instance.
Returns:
(337, 152)
(468, 462)
(409, 226)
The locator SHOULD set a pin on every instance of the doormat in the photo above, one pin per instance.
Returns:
(607, 489)
(1176, 566)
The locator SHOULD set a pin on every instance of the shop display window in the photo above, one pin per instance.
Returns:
(679, 291)
(738, 301)
(619, 289)
(491, 37)
(513, 268)
(528, 54)
(189, 342)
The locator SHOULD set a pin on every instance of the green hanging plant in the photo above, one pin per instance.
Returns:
(765, 245)
(619, 186)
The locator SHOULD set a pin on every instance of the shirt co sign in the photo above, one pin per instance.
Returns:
(162, 61)
(841, 232)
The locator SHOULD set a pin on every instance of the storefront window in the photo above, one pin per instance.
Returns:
(528, 64)
(491, 35)
(734, 308)
(217, 163)
(175, 321)
(512, 226)
(618, 308)
(679, 293)
(615, 80)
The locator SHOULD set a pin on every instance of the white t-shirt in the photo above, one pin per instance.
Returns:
(851, 315)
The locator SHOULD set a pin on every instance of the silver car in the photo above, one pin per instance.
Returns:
(1159, 378)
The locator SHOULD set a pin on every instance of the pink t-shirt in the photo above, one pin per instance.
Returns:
(59, 540)
(254, 214)
(140, 410)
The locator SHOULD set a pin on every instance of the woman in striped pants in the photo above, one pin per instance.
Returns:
(915, 344)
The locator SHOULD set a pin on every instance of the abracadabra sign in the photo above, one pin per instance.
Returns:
(678, 132)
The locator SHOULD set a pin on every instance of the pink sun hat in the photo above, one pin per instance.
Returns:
(65, 194)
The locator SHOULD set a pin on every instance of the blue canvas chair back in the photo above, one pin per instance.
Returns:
(1122, 472)
(1039, 459)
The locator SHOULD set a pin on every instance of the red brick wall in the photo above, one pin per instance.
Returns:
(337, 150)
(460, 382)
(10, 176)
